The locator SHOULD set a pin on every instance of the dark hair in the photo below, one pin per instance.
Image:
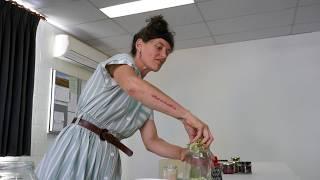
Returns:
(157, 27)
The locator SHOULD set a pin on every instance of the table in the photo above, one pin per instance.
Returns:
(261, 171)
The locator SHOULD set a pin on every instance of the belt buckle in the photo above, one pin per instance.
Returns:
(101, 133)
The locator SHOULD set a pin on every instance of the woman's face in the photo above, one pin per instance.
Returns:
(154, 53)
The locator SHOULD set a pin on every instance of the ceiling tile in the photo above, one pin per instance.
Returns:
(252, 35)
(252, 22)
(181, 15)
(175, 16)
(114, 42)
(191, 31)
(73, 13)
(133, 23)
(96, 29)
(192, 43)
(306, 28)
(308, 2)
(308, 14)
(221, 9)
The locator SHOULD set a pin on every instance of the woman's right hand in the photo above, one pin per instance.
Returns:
(197, 129)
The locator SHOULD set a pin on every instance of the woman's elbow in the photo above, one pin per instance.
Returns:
(149, 146)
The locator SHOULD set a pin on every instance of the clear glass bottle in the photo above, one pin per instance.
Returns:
(22, 170)
(197, 164)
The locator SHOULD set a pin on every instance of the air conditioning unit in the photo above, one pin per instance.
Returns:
(72, 50)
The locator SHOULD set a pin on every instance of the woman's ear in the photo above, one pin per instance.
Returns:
(139, 44)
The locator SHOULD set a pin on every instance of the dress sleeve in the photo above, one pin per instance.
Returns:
(151, 116)
(120, 59)
(145, 114)
(117, 59)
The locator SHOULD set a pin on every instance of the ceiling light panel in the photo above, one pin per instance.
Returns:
(142, 6)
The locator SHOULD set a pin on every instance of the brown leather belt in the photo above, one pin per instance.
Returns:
(104, 135)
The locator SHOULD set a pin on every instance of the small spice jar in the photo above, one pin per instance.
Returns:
(228, 167)
(245, 167)
(22, 170)
(236, 160)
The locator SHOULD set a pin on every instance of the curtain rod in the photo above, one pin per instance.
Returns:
(32, 12)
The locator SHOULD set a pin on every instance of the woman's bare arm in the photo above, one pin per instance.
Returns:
(145, 92)
(155, 144)
(154, 98)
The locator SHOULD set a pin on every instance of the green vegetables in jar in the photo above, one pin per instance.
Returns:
(198, 161)
(196, 147)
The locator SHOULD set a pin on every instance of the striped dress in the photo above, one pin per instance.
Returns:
(78, 153)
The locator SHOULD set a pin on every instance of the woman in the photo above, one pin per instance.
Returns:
(116, 98)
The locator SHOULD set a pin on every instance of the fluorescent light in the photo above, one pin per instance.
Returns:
(141, 6)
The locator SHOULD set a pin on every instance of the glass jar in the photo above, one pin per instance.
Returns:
(170, 172)
(228, 167)
(22, 170)
(236, 160)
(197, 164)
(245, 167)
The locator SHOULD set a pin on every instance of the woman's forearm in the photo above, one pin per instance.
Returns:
(155, 99)
(165, 149)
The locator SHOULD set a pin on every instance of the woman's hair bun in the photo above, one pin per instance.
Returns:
(157, 23)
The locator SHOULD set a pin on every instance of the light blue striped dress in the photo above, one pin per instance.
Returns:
(79, 153)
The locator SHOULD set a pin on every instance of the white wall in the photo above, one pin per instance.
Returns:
(44, 61)
(260, 98)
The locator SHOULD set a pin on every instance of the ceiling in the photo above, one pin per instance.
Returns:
(205, 23)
